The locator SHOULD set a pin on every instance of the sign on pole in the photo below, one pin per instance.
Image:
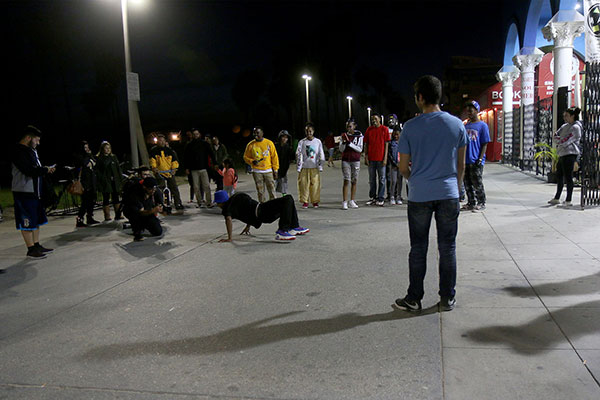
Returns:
(592, 30)
(133, 86)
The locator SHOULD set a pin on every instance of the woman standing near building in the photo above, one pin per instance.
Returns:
(110, 178)
(567, 145)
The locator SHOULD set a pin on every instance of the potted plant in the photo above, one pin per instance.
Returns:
(547, 153)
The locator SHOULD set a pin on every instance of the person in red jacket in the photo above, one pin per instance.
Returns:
(376, 142)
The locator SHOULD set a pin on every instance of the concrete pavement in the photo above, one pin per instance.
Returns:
(187, 317)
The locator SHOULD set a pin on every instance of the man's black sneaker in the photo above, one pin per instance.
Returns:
(408, 305)
(34, 252)
(447, 303)
(138, 238)
(91, 221)
(43, 249)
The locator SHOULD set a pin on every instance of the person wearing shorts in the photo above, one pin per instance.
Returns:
(27, 173)
(351, 146)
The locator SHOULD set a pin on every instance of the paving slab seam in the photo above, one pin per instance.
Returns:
(137, 391)
(544, 304)
(108, 289)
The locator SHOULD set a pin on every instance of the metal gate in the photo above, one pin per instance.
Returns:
(590, 157)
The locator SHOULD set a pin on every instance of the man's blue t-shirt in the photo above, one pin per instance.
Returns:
(433, 140)
(478, 134)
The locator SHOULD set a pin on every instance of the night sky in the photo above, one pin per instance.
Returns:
(217, 64)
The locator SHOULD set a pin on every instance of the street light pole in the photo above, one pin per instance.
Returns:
(306, 79)
(130, 104)
(349, 98)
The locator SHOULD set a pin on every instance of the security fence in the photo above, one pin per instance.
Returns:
(590, 156)
(543, 133)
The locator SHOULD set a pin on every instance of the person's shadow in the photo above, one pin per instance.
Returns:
(534, 336)
(247, 336)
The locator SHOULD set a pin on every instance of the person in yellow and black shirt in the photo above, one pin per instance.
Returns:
(261, 155)
(164, 164)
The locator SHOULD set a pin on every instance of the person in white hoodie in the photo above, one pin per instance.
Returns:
(567, 145)
(310, 158)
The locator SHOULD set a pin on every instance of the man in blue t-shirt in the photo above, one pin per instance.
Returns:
(479, 136)
(432, 158)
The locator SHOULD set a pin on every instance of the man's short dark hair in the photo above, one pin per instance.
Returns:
(32, 131)
(430, 88)
(309, 125)
(160, 135)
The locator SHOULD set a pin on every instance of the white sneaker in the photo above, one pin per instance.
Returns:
(392, 201)
(380, 203)
(371, 202)
(554, 202)
(399, 202)
(567, 204)
(353, 204)
(344, 205)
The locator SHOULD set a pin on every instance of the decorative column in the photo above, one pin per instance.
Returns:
(563, 28)
(507, 75)
(527, 59)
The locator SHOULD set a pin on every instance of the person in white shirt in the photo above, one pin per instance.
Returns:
(310, 159)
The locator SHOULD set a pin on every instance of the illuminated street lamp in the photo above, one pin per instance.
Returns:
(369, 115)
(349, 98)
(306, 79)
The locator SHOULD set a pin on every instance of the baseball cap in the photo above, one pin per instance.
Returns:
(283, 132)
(473, 103)
(149, 182)
(221, 196)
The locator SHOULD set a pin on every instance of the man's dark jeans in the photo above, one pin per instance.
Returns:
(376, 180)
(419, 220)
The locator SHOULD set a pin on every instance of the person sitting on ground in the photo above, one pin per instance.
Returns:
(252, 213)
(140, 209)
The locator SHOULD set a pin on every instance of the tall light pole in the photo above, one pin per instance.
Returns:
(369, 116)
(349, 98)
(306, 79)
(135, 126)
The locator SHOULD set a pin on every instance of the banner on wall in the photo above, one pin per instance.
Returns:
(592, 30)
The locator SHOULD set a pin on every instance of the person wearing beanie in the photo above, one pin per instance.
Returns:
(242, 207)
(140, 209)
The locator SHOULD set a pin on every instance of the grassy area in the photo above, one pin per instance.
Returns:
(6, 198)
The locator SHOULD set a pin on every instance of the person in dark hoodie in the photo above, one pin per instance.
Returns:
(286, 155)
(140, 208)
(86, 162)
(198, 159)
(27, 173)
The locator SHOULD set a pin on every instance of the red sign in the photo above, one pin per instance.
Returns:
(545, 73)
(494, 94)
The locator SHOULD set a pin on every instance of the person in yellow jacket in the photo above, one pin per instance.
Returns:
(261, 155)
(164, 164)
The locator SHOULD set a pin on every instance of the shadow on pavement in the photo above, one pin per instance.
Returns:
(556, 288)
(246, 336)
(16, 275)
(533, 337)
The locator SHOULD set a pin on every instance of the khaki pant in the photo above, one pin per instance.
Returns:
(200, 177)
(262, 180)
(309, 185)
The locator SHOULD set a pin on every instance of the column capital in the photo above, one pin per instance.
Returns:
(507, 77)
(528, 62)
(564, 27)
